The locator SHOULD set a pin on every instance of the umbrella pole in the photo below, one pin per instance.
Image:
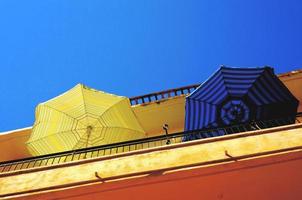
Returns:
(88, 131)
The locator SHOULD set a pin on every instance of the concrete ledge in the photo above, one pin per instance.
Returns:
(213, 151)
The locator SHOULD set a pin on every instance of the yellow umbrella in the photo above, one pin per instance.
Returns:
(82, 117)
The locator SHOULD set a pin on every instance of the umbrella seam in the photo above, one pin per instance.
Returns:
(62, 113)
(54, 134)
(253, 84)
(85, 111)
(103, 128)
(84, 129)
(82, 94)
(111, 106)
(210, 77)
(99, 117)
(139, 123)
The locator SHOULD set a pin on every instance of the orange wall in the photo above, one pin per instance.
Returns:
(12, 144)
(275, 177)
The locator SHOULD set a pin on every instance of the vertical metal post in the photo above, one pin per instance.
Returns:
(166, 127)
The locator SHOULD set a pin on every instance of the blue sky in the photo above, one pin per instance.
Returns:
(133, 47)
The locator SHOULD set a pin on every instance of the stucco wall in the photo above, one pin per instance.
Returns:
(250, 145)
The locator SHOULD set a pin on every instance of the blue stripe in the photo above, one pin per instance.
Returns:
(192, 117)
(205, 86)
(257, 93)
(276, 86)
(244, 72)
(238, 81)
(217, 95)
(200, 114)
(259, 85)
(202, 93)
(204, 115)
(213, 114)
(254, 99)
(222, 97)
(196, 113)
(268, 90)
(239, 86)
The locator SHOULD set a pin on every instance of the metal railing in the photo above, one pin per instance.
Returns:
(128, 146)
(157, 96)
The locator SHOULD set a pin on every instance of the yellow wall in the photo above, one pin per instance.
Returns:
(293, 82)
(161, 160)
(154, 115)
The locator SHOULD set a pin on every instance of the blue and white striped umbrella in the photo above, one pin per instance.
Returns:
(238, 95)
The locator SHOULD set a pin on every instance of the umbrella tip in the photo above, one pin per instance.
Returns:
(80, 84)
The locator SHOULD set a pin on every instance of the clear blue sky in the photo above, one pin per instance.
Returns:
(133, 47)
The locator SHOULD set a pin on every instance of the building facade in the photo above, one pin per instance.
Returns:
(264, 163)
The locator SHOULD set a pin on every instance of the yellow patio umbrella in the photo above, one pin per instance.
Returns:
(82, 117)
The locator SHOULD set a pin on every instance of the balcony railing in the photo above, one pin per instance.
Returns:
(128, 146)
(153, 97)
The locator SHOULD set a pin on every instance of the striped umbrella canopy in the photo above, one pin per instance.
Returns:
(82, 117)
(238, 95)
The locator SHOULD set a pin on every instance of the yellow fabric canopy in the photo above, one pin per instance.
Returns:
(82, 117)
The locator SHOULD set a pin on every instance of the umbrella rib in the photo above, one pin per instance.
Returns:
(99, 117)
(79, 141)
(204, 83)
(63, 113)
(103, 112)
(85, 109)
(83, 129)
(111, 106)
(116, 127)
(224, 84)
(55, 134)
(73, 148)
(203, 101)
(253, 83)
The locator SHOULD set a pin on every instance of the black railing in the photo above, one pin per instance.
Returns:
(157, 96)
(128, 146)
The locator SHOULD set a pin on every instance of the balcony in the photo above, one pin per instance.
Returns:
(146, 143)
(262, 151)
